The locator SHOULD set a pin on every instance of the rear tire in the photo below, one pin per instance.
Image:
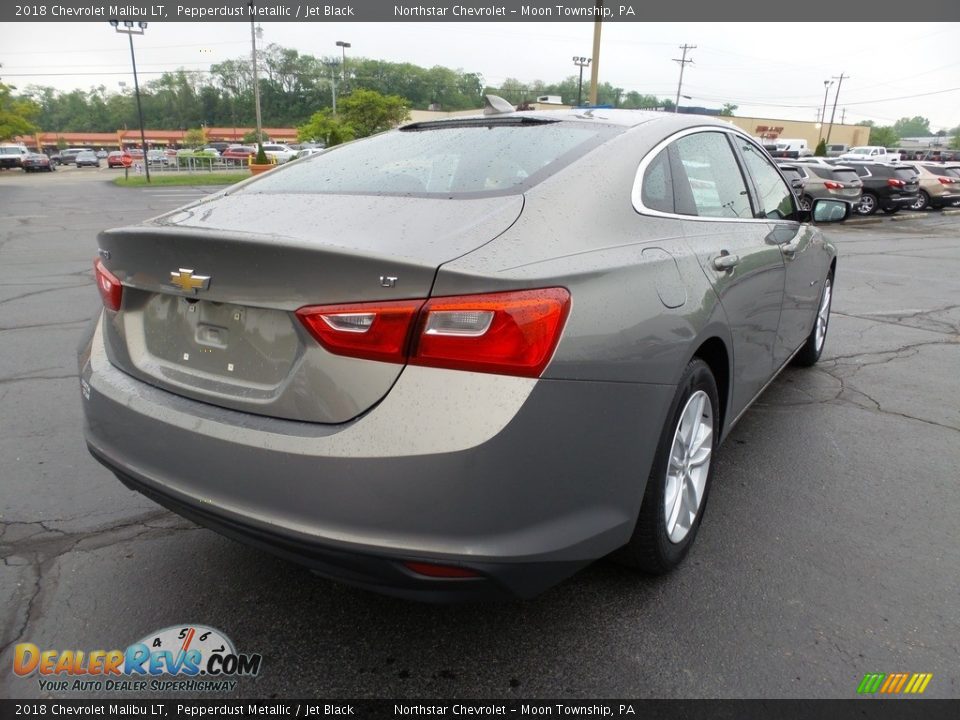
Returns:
(813, 347)
(679, 482)
(923, 201)
(868, 204)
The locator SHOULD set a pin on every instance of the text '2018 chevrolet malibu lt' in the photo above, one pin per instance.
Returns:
(464, 358)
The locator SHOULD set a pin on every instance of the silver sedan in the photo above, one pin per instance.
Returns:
(464, 358)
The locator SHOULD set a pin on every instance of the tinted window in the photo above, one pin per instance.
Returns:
(465, 158)
(709, 172)
(861, 170)
(908, 174)
(657, 188)
(845, 176)
(773, 195)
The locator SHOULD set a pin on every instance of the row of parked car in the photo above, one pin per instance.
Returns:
(872, 186)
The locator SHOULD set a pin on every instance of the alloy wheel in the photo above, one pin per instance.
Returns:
(689, 466)
(823, 314)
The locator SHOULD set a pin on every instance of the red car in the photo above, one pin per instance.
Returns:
(238, 152)
(117, 157)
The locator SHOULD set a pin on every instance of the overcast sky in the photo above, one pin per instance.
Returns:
(773, 70)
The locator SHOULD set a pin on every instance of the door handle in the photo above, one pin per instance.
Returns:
(725, 261)
(790, 248)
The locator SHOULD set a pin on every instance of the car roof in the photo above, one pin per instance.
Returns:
(607, 116)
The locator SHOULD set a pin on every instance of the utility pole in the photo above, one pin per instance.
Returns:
(823, 115)
(843, 117)
(835, 98)
(595, 70)
(256, 77)
(683, 63)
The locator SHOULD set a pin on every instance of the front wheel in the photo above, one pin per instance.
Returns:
(676, 491)
(806, 202)
(813, 347)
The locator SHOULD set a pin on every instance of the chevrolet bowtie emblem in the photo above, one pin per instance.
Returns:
(188, 282)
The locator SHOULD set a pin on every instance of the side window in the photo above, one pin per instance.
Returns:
(707, 170)
(657, 187)
(774, 197)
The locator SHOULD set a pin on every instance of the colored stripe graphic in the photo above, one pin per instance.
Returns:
(894, 683)
(870, 683)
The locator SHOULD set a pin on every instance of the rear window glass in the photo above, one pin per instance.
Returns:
(845, 176)
(469, 158)
(939, 170)
(905, 173)
(657, 189)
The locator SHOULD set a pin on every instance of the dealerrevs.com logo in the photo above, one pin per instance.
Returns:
(188, 658)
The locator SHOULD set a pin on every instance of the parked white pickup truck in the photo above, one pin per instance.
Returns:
(871, 153)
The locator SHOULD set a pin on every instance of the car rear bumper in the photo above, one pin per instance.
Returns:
(523, 481)
(939, 201)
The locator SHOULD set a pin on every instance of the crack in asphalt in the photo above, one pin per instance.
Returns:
(62, 323)
(42, 292)
(28, 378)
(39, 551)
(843, 372)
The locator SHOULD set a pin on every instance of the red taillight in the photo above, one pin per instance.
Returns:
(440, 571)
(511, 333)
(893, 182)
(947, 181)
(111, 291)
(831, 185)
(372, 331)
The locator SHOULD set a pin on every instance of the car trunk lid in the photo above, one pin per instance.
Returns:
(210, 292)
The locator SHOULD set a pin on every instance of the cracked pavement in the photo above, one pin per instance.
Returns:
(829, 547)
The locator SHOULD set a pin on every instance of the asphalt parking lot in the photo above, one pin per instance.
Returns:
(829, 548)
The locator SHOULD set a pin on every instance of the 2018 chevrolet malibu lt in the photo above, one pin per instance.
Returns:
(463, 358)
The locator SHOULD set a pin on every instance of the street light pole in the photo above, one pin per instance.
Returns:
(129, 29)
(580, 62)
(343, 67)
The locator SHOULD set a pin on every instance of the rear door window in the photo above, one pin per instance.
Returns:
(845, 176)
(707, 172)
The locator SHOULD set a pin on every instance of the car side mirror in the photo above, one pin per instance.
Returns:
(830, 211)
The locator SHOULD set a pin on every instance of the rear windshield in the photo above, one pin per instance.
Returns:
(905, 173)
(845, 176)
(469, 158)
(939, 170)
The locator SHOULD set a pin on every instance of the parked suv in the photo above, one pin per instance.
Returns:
(888, 187)
(68, 156)
(839, 182)
(938, 187)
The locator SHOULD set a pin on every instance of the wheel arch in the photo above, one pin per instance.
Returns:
(715, 352)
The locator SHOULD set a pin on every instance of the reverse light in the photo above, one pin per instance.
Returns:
(511, 333)
(371, 331)
(111, 291)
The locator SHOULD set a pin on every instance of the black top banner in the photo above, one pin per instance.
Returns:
(826, 11)
(157, 709)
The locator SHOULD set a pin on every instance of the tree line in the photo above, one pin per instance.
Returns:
(293, 87)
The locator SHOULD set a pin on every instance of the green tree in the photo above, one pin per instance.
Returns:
(912, 127)
(368, 112)
(324, 126)
(883, 136)
(728, 109)
(955, 143)
(821, 150)
(16, 115)
(194, 138)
